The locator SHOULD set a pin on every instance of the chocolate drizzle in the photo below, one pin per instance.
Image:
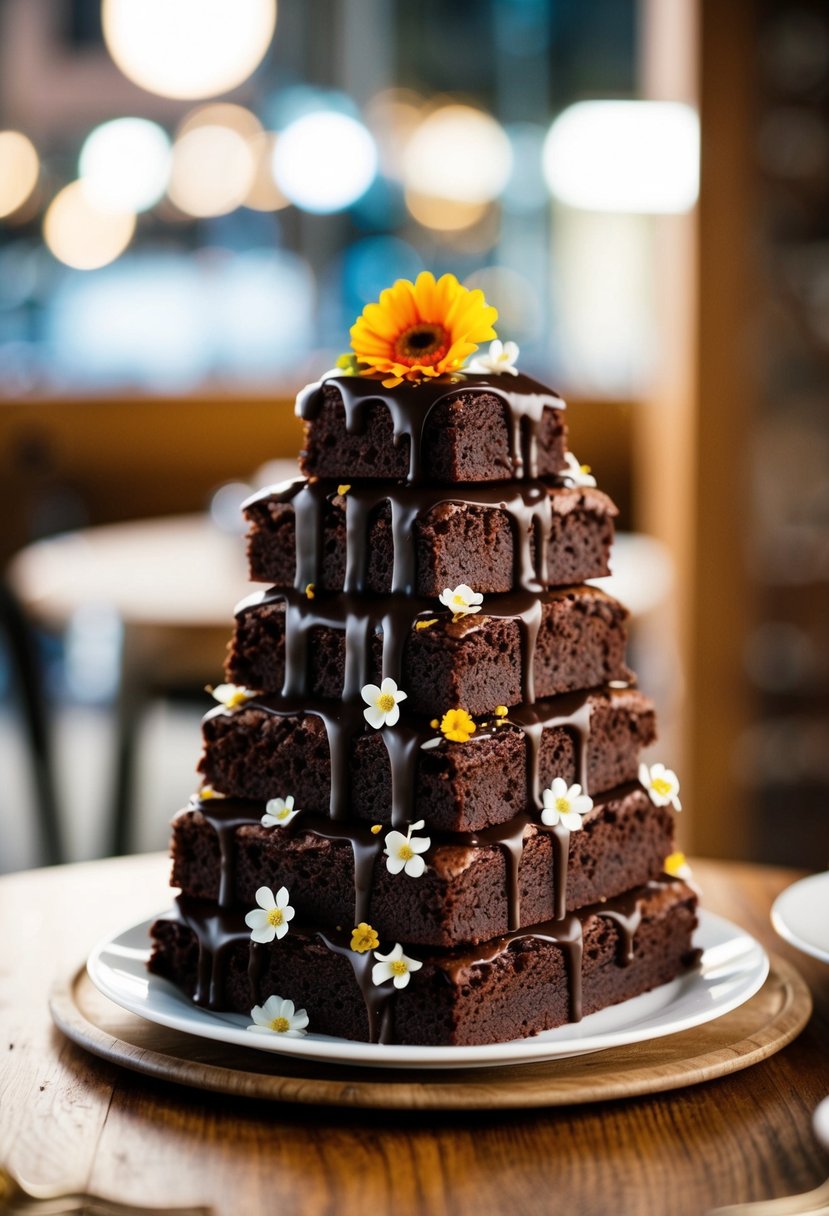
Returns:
(394, 618)
(218, 930)
(409, 407)
(387, 623)
(528, 506)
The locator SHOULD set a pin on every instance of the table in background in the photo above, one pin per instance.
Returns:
(66, 1117)
(173, 584)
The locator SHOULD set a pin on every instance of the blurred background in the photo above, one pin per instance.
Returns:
(197, 197)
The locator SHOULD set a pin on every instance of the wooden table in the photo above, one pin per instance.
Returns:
(69, 1118)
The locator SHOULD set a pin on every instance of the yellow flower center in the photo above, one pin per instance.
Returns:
(661, 787)
(425, 343)
(275, 917)
(385, 702)
(283, 814)
(236, 699)
(405, 852)
(280, 1025)
(399, 967)
(562, 806)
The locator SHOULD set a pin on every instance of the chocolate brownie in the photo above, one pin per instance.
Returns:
(576, 638)
(455, 541)
(517, 985)
(469, 891)
(255, 753)
(440, 432)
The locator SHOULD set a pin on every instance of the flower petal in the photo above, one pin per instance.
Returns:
(415, 866)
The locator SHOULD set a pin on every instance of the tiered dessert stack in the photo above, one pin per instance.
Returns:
(425, 817)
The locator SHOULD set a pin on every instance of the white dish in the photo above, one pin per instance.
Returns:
(732, 968)
(800, 914)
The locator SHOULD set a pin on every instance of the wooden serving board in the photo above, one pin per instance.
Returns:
(758, 1029)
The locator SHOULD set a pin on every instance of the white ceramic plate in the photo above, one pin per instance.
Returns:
(800, 914)
(733, 967)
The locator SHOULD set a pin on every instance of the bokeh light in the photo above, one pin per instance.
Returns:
(392, 116)
(443, 214)
(515, 297)
(80, 234)
(624, 156)
(264, 194)
(213, 170)
(221, 114)
(19, 169)
(324, 161)
(188, 48)
(526, 191)
(458, 153)
(125, 164)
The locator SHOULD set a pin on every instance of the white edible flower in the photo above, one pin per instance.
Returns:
(565, 806)
(394, 966)
(278, 1016)
(579, 474)
(462, 601)
(382, 703)
(501, 357)
(662, 785)
(403, 852)
(232, 695)
(271, 918)
(279, 812)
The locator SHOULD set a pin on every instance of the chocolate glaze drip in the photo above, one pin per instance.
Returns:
(626, 913)
(362, 618)
(217, 930)
(344, 722)
(527, 504)
(378, 999)
(566, 933)
(225, 815)
(409, 406)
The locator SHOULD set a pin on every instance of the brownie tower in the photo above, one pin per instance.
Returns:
(429, 823)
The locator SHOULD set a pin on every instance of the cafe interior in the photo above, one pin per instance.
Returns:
(198, 200)
(192, 214)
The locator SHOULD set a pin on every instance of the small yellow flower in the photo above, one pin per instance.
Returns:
(206, 792)
(232, 696)
(457, 725)
(434, 723)
(676, 864)
(364, 938)
(426, 624)
(375, 828)
(420, 330)
(309, 591)
(501, 711)
(343, 489)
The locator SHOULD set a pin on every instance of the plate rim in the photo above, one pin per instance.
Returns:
(349, 1053)
(784, 930)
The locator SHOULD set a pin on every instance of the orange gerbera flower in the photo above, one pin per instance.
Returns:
(422, 329)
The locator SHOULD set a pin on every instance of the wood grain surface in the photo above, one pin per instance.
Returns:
(765, 1024)
(68, 1118)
